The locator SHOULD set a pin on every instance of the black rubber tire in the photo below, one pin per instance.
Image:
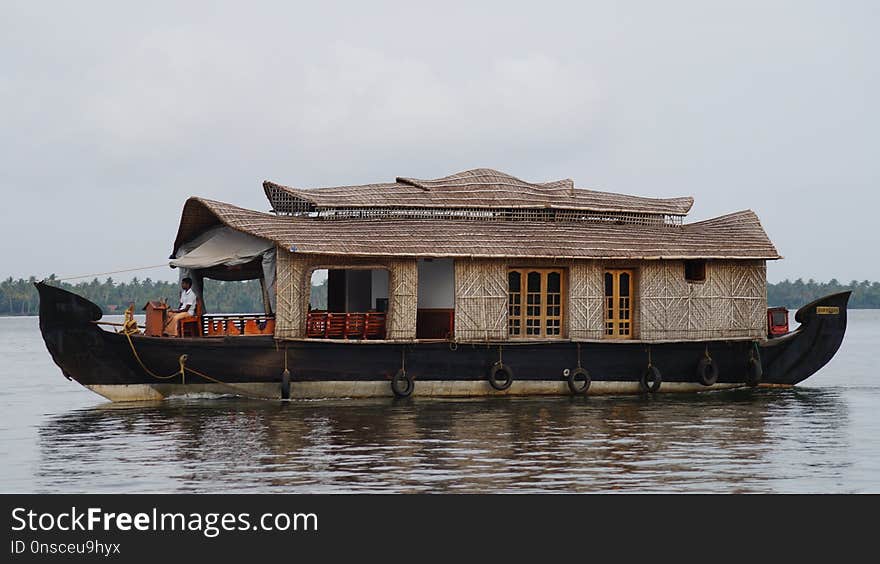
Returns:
(285, 384)
(402, 384)
(500, 385)
(651, 380)
(754, 372)
(707, 371)
(573, 381)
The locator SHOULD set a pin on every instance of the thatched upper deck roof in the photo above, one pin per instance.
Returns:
(735, 236)
(473, 189)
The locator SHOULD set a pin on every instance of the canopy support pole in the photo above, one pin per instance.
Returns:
(267, 306)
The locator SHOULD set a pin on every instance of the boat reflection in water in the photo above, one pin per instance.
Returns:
(736, 441)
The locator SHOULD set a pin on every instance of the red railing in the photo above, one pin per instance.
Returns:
(219, 325)
(326, 325)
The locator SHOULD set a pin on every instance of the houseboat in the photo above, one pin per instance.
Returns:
(474, 284)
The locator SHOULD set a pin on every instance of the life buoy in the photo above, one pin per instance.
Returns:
(651, 380)
(285, 384)
(402, 384)
(755, 372)
(505, 381)
(707, 371)
(579, 381)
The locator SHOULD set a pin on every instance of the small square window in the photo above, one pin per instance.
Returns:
(695, 270)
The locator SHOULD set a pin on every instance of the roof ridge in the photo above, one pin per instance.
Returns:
(472, 176)
(727, 216)
(474, 188)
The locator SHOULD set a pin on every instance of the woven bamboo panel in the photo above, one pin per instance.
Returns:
(403, 287)
(480, 299)
(495, 299)
(291, 295)
(585, 309)
(729, 304)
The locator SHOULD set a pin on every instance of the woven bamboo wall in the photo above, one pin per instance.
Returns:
(586, 307)
(403, 284)
(292, 297)
(294, 273)
(731, 303)
(480, 299)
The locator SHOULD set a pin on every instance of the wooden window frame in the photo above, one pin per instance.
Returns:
(523, 304)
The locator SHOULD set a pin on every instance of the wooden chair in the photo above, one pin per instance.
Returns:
(216, 327)
(316, 325)
(355, 325)
(336, 325)
(232, 327)
(192, 326)
(374, 326)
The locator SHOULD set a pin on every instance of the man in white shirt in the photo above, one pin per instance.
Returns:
(187, 307)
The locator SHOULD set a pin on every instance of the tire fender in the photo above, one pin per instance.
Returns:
(505, 373)
(402, 384)
(579, 381)
(707, 371)
(651, 380)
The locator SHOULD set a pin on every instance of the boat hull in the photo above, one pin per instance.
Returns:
(138, 367)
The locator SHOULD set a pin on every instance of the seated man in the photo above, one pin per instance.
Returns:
(187, 307)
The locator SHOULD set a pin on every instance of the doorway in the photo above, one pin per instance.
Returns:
(618, 304)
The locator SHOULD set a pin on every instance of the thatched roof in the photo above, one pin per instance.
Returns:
(481, 188)
(735, 236)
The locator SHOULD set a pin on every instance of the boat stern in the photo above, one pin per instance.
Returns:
(795, 357)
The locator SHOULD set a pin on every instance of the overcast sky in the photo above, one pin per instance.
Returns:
(112, 114)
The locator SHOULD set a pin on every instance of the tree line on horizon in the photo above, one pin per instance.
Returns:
(19, 297)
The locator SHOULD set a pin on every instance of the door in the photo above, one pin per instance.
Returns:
(618, 304)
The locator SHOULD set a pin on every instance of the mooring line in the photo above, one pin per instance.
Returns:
(95, 275)
(183, 369)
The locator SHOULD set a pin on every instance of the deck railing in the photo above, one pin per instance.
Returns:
(328, 325)
(221, 324)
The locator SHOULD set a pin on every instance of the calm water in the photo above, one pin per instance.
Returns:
(825, 437)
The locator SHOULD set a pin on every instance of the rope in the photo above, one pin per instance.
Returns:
(183, 369)
(181, 360)
(111, 272)
(579, 355)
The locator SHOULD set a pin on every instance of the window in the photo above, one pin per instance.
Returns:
(695, 270)
(534, 302)
(618, 304)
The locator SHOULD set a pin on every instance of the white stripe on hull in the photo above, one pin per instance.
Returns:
(343, 389)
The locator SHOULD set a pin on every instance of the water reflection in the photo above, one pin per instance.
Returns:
(744, 441)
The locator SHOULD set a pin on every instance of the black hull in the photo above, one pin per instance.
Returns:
(253, 365)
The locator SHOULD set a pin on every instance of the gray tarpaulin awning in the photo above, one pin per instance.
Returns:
(225, 247)
(220, 246)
